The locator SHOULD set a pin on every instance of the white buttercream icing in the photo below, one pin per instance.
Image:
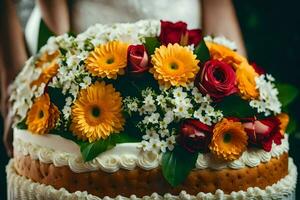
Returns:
(59, 151)
(20, 187)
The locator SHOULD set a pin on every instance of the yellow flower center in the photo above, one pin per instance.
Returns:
(96, 111)
(110, 60)
(227, 137)
(41, 114)
(174, 66)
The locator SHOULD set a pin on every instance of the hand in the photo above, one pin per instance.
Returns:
(8, 135)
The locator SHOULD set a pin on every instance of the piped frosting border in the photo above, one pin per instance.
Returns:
(61, 152)
(22, 188)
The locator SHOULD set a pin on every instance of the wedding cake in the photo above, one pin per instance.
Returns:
(148, 110)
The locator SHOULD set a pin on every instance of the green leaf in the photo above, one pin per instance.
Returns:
(235, 106)
(177, 164)
(22, 124)
(292, 126)
(91, 150)
(44, 34)
(151, 43)
(202, 52)
(123, 138)
(287, 93)
(57, 97)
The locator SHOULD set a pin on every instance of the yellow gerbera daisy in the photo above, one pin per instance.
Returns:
(245, 77)
(108, 60)
(220, 52)
(97, 112)
(174, 65)
(229, 140)
(42, 116)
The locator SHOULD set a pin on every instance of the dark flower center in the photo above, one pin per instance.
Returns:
(174, 66)
(41, 114)
(96, 111)
(227, 137)
(219, 75)
(110, 60)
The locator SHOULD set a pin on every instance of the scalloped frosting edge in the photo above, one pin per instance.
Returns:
(125, 156)
(20, 187)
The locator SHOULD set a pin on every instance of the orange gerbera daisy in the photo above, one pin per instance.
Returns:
(245, 77)
(284, 121)
(97, 112)
(47, 74)
(46, 58)
(48, 64)
(229, 140)
(174, 65)
(42, 116)
(220, 52)
(108, 60)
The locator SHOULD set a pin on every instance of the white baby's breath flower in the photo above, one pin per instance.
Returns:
(86, 82)
(74, 90)
(170, 141)
(169, 117)
(69, 101)
(150, 133)
(164, 133)
(66, 112)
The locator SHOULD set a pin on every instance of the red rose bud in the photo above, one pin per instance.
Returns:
(217, 79)
(175, 32)
(171, 32)
(194, 36)
(262, 133)
(137, 57)
(258, 69)
(195, 136)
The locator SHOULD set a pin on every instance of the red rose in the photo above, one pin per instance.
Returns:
(194, 36)
(194, 136)
(262, 133)
(258, 69)
(175, 33)
(138, 61)
(217, 79)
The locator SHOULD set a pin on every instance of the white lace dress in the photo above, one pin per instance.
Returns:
(85, 13)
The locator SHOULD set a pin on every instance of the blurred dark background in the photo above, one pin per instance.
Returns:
(271, 30)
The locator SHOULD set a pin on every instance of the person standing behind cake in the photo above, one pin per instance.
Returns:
(215, 17)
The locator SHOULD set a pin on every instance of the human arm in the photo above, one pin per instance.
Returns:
(219, 18)
(55, 13)
(12, 57)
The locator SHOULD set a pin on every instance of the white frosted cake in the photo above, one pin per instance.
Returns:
(148, 110)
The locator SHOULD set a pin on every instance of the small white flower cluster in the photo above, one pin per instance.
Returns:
(159, 113)
(268, 102)
(222, 41)
(21, 92)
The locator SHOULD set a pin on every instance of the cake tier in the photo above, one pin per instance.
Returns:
(145, 182)
(20, 187)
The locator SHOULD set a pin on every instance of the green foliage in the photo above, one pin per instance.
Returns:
(90, 151)
(44, 34)
(22, 124)
(235, 106)
(202, 52)
(287, 93)
(292, 126)
(57, 97)
(151, 43)
(177, 164)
